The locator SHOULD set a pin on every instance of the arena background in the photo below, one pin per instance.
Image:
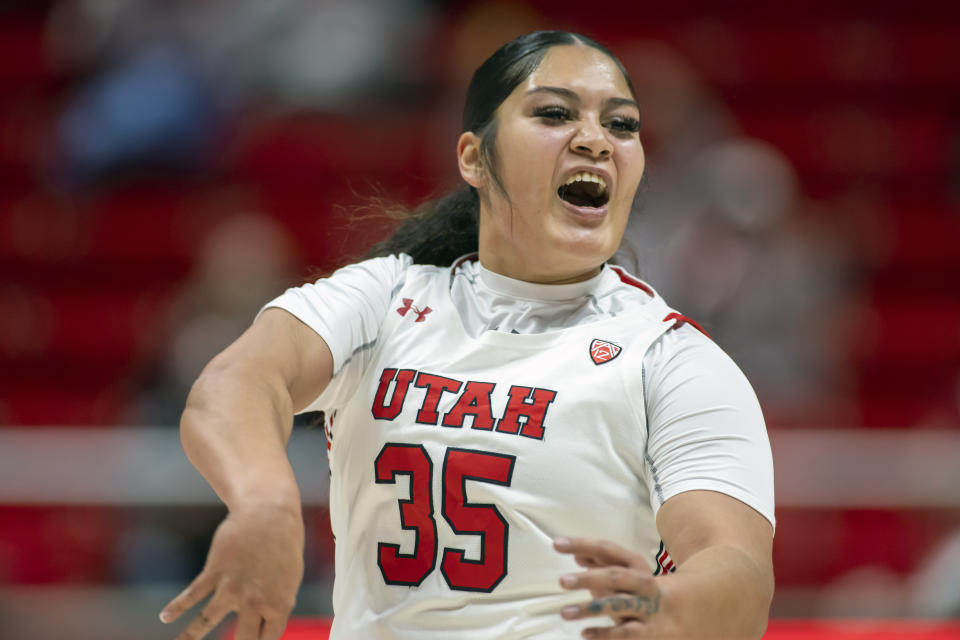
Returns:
(167, 167)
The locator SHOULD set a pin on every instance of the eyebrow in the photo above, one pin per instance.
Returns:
(572, 95)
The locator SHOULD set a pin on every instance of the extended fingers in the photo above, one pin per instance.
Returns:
(611, 580)
(199, 589)
(636, 597)
(211, 615)
(590, 552)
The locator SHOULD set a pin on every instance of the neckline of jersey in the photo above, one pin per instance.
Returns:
(544, 338)
(512, 287)
(505, 285)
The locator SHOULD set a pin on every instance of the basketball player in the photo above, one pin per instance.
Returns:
(526, 442)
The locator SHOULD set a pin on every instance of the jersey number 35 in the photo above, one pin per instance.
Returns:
(465, 518)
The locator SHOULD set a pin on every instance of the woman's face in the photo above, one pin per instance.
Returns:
(572, 122)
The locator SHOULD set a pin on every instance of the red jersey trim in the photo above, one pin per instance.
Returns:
(681, 320)
(467, 258)
(633, 282)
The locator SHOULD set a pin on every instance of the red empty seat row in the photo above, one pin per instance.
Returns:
(330, 227)
(56, 545)
(920, 329)
(910, 247)
(856, 142)
(904, 392)
(156, 231)
(906, 410)
(847, 539)
(23, 58)
(88, 398)
(141, 226)
(757, 11)
(843, 53)
(820, 46)
(325, 147)
(148, 223)
(25, 126)
(926, 237)
(83, 323)
(907, 359)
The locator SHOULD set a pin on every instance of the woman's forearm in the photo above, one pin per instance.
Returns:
(235, 429)
(720, 592)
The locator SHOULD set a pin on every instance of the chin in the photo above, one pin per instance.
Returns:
(589, 248)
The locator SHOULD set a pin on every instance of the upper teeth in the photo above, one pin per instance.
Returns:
(586, 176)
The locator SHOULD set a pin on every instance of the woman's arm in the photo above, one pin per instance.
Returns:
(235, 429)
(721, 589)
(724, 550)
(239, 413)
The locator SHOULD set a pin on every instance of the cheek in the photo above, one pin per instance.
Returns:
(529, 159)
(632, 164)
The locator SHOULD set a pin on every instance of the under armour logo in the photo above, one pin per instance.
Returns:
(408, 304)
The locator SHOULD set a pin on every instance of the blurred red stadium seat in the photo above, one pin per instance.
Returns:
(853, 140)
(57, 545)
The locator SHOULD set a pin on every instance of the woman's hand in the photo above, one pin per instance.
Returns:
(622, 587)
(254, 567)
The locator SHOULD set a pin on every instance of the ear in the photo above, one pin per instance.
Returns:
(468, 156)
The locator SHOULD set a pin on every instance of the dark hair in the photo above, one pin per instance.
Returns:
(439, 231)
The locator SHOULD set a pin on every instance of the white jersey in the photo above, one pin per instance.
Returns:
(476, 418)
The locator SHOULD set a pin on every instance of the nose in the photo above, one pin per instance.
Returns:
(591, 139)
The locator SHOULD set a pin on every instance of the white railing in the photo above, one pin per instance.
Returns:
(146, 466)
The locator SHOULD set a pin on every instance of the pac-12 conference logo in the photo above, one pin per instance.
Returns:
(602, 351)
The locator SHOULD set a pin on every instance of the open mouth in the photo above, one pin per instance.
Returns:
(584, 190)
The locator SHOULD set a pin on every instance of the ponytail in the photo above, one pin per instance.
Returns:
(438, 231)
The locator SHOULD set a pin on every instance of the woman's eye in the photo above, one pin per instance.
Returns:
(552, 113)
(627, 125)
